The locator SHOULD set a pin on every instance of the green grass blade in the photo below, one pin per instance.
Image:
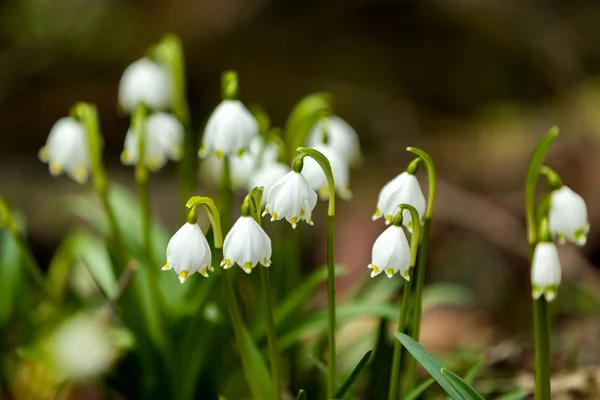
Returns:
(513, 396)
(419, 390)
(346, 386)
(301, 395)
(466, 391)
(472, 372)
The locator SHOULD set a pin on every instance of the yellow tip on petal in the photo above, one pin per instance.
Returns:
(376, 214)
(202, 152)
(177, 153)
(248, 267)
(55, 168)
(389, 272)
(310, 221)
(166, 267)
(80, 174)
(219, 154)
(294, 221)
(203, 272)
(43, 154)
(324, 192)
(125, 159)
(274, 215)
(211, 268)
(302, 213)
(153, 164)
(240, 152)
(375, 268)
(183, 276)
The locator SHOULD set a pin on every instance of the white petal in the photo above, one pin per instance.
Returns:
(240, 168)
(391, 253)
(67, 149)
(568, 216)
(291, 198)
(545, 270)
(410, 193)
(316, 177)
(246, 245)
(188, 250)
(166, 130)
(148, 82)
(340, 136)
(230, 129)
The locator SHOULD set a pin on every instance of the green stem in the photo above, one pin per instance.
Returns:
(331, 304)
(271, 333)
(542, 349)
(225, 196)
(395, 376)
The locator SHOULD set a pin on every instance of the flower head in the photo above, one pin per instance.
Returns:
(545, 271)
(291, 198)
(145, 81)
(229, 130)
(568, 216)
(391, 253)
(67, 150)
(402, 189)
(246, 245)
(267, 176)
(318, 181)
(163, 140)
(188, 252)
(335, 133)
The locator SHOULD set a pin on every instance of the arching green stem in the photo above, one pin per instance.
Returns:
(540, 306)
(326, 167)
(393, 393)
(213, 216)
(419, 273)
(554, 180)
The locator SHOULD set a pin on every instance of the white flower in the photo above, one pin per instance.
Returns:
(267, 176)
(229, 130)
(391, 253)
(545, 271)
(163, 140)
(240, 169)
(318, 181)
(291, 198)
(246, 245)
(335, 133)
(188, 252)
(568, 216)
(147, 82)
(404, 188)
(67, 150)
(83, 346)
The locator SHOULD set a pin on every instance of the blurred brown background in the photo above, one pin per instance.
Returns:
(475, 83)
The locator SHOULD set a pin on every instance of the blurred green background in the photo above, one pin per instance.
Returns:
(474, 83)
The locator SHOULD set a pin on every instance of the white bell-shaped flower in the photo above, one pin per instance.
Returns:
(163, 140)
(246, 245)
(67, 150)
(188, 252)
(148, 82)
(240, 170)
(404, 188)
(229, 130)
(545, 271)
(391, 253)
(291, 198)
(316, 178)
(267, 176)
(335, 133)
(568, 216)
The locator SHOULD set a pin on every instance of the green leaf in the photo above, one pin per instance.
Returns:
(11, 276)
(301, 395)
(262, 385)
(346, 386)
(513, 396)
(463, 387)
(472, 372)
(435, 368)
(94, 255)
(416, 392)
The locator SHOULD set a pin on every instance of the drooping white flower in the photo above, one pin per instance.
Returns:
(391, 253)
(229, 130)
(67, 150)
(318, 181)
(291, 198)
(267, 176)
(336, 134)
(163, 140)
(188, 252)
(83, 346)
(568, 216)
(246, 245)
(404, 188)
(148, 82)
(240, 170)
(545, 271)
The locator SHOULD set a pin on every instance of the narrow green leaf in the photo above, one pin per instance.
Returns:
(466, 391)
(259, 367)
(472, 372)
(94, 255)
(11, 278)
(346, 386)
(301, 395)
(513, 396)
(419, 390)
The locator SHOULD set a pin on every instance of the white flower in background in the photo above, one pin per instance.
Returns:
(264, 152)
(335, 133)
(267, 176)
(391, 253)
(568, 216)
(67, 150)
(404, 188)
(188, 252)
(318, 181)
(246, 245)
(83, 346)
(545, 271)
(163, 140)
(229, 130)
(291, 198)
(240, 170)
(147, 82)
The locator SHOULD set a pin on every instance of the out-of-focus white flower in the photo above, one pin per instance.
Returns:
(188, 252)
(568, 216)
(229, 130)
(291, 198)
(335, 133)
(246, 245)
(267, 176)
(240, 170)
(67, 150)
(391, 253)
(147, 82)
(545, 271)
(404, 188)
(318, 181)
(163, 140)
(83, 346)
